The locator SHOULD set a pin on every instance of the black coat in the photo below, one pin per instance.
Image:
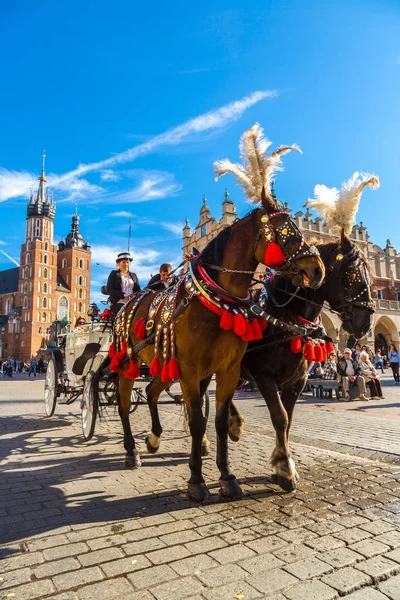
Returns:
(157, 285)
(114, 286)
(342, 366)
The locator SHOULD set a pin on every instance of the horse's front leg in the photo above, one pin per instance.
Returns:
(289, 396)
(197, 489)
(132, 458)
(226, 386)
(153, 391)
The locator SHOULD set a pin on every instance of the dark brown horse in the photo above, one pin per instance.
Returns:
(281, 374)
(203, 348)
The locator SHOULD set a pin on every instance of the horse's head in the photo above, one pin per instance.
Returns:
(281, 245)
(348, 286)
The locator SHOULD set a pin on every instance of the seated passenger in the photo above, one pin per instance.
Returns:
(350, 372)
(78, 324)
(121, 283)
(163, 279)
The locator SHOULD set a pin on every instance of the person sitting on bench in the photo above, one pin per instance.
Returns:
(350, 372)
(330, 368)
(371, 377)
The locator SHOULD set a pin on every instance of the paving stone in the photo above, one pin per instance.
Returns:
(206, 545)
(181, 588)
(391, 587)
(394, 555)
(222, 575)
(268, 544)
(369, 548)
(181, 537)
(114, 589)
(297, 536)
(152, 576)
(347, 580)
(194, 564)
(20, 561)
(273, 581)
(325, 528)
(294, 553)
(64, 551)
(261, 563)
(30, 591)
(125, 565)
(353, 535)
(167, 555)
(232, 554)
(324, 543)
(391, 538)
(108, 542)
(341, 557)
(377, 527)
(367, 594)
(14, 578)
(231, 591)
(240, 536)
(143, 546)
(47, 542)
(312, 590)
(378, 568)
(73, 579)
(55, 567)
(308, 568)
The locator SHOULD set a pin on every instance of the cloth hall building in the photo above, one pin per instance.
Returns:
(384, 262)
(50, 288)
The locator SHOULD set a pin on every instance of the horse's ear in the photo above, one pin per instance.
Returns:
(268, 202)
(345, 242)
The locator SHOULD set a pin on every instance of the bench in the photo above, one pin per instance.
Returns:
(323, 388)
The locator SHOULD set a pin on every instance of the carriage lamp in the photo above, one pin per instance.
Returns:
(93, 312)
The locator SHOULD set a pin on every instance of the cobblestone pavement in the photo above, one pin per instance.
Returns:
(76, 525)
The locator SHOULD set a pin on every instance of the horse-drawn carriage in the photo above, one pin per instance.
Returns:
(78, 367)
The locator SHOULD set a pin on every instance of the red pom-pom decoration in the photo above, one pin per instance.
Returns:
(239, 324)
(155, 367)
(226, 321)
(263, 324)
(165, 376)
(174, 368)
(139, 329)
(273, 256)
(257, 331)
(324, 353)
(318, 353)
(329, 347)
(115, 364)
(295, 345)
(309, 353)
(248, 336)
(133, 372)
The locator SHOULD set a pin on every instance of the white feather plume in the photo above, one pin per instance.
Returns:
(338, 208)
(257, 169)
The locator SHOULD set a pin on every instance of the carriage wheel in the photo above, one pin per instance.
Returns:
(89, 406)
(135, 399)
(50, 387)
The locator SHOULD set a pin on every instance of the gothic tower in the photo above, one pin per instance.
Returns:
(37, 271)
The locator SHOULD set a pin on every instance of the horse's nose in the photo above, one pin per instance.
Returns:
(317, 273)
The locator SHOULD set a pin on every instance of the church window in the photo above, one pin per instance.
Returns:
(203, 230)
(27, 259)
(80, 280)
(8, 306)
(80, 307)
(45, 259)
(81, 264)
(44, 303)
(30, 286)
(17, 326)
(40, 331)
(22, 343)
(30, 271)
(80, 293)
(25, 287)
(28, 245)
(62, 308)
(25, 304)
(45, 273)
(37, 233)
(398, 296)
(23, 329)
(379, 294)
(39, 271)
(64, 263)
(44, 317)
(45, 288)
(46, 244)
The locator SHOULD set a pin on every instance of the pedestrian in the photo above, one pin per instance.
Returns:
(394, 360)
(163, 279)
(379, 361)
(356, 352)
(122, 283)
(370, 376)
(40, 365)
(350, 372)
(32, 366)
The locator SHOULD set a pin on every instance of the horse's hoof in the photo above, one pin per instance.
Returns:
(230, 488)
(205, 450)
(198, 492)
(288, 485)
(151, 449)
(133, 462)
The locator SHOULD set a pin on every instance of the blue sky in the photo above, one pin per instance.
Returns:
(134, 101)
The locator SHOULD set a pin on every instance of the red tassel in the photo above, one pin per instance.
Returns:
(139, 329)
(174, 368)
(239, 324)
(295, 345)
(115, 364)
(257, 331)
(155, 367)
(273, 256)
(226, 321)
(133, 372)
(165, 372)
(329, 347)
(309, 353)
(324, 353)
(248, 336)
(263, 324)
(318, 353)
(111, 350)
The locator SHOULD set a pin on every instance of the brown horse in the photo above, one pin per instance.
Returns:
(204, 349)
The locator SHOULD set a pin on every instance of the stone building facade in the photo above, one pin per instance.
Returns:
(385, 266)
(50, 288)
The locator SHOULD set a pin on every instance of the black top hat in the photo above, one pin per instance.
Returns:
(124, 256)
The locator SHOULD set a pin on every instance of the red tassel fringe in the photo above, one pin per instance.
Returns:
(324, 353)
(248, 336)
(133, 372)
(174, 368)
(226, 321)
(273, 255)
(139, 329)
(239, 324)
(115, 364)
(263, 324)
(295, 345)
(318, 353)
(165, 376)
(329, 347)
(309, 353)
(257, 331)
(155, 367)
(111, 350)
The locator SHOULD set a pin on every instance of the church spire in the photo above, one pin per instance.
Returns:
(43, 205)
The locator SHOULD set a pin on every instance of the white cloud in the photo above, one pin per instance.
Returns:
(109, 175)
(173, 227)
(154, 185)
(121, 213)
(14, 184)
(106, 255)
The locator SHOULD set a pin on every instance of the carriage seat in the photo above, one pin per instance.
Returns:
(104, 290)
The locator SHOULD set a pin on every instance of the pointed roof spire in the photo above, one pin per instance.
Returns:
(43, 160)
